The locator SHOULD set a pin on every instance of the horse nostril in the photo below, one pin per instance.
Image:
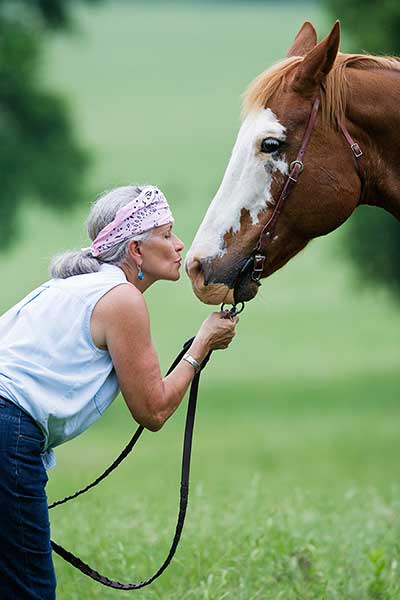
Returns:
(193, 268)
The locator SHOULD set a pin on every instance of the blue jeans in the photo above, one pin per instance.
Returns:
(26, 565)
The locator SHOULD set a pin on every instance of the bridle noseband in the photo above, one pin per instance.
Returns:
(257, 258)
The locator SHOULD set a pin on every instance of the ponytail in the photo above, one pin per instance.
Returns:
(73, 262)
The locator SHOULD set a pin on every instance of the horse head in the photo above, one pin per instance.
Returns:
(276, 110)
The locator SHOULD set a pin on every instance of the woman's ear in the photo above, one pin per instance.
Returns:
(134, 249)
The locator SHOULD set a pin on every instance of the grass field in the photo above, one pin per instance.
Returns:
(295, 481)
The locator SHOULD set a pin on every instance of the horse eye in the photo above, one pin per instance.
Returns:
(270, 145)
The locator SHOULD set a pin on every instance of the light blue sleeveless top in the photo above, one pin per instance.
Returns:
(49, 364)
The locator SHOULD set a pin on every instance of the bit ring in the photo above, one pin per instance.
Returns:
(234, 311)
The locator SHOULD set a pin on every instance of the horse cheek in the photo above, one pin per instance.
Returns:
(329, 200)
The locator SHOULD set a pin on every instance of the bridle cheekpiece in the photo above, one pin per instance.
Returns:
(257, 258)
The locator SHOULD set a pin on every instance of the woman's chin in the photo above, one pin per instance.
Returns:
(175, 275)
(168, 274)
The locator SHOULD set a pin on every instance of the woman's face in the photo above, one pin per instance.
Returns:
(162, 254)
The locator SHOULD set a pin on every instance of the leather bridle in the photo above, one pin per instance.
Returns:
(255, 262)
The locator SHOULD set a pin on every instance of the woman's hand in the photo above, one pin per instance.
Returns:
(216, 333)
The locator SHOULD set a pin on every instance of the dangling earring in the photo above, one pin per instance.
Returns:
(140, 273)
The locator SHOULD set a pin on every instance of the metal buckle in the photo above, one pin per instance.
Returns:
(292, 167)
(356, 150)
(296, 162)
(258, 267)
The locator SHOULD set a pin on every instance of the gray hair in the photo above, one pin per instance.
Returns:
(102, 212)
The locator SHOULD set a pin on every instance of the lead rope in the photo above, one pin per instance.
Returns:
(75, 561)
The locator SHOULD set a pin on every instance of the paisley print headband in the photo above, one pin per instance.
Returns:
(148, 210)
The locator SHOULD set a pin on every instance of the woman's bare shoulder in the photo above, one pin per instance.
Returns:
(122, 296)
(122, 306)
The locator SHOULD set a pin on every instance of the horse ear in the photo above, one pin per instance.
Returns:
(317, 63)
(304, 41)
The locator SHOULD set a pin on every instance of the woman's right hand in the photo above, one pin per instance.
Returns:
(216, 332)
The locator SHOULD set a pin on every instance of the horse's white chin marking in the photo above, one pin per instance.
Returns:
(246, 184)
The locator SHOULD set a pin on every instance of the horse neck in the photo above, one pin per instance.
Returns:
(374, 118)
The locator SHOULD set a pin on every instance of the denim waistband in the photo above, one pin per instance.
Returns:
(12, 405)
(14, 411)
(3, 399)
(11, 411)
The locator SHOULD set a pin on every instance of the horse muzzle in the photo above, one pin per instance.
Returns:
(219, 283)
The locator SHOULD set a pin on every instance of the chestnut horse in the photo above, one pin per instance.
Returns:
(359, 94)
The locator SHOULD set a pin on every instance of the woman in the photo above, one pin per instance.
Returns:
(66, 350)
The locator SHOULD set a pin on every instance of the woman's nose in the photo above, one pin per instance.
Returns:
(179, 245)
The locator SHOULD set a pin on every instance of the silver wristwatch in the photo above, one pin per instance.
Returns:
(192, 361)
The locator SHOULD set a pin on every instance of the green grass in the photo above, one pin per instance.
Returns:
(295, 480)
(287, 501)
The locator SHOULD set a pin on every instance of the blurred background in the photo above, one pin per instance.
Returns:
(299, 420)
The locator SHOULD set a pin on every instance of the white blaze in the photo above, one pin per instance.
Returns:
(246, 183)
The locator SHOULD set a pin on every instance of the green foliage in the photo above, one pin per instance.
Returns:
(40, 156)
(51, 13)
(374, 26)
(373, 240)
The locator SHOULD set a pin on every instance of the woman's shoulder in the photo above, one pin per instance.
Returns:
(123, 300)
(120, 309)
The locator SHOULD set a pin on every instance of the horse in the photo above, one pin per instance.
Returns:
(352, 158)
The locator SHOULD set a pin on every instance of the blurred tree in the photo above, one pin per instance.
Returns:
(373, 238)
(40, 156)
(374, 26)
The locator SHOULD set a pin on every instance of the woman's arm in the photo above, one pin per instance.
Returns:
(151, 399)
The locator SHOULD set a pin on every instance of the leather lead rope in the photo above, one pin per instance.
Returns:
(75, 561)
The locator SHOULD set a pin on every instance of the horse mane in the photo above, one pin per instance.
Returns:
(335, 90)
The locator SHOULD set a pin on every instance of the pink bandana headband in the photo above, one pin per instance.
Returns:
(148, 210)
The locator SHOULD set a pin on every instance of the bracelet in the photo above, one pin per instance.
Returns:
(192, 361)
